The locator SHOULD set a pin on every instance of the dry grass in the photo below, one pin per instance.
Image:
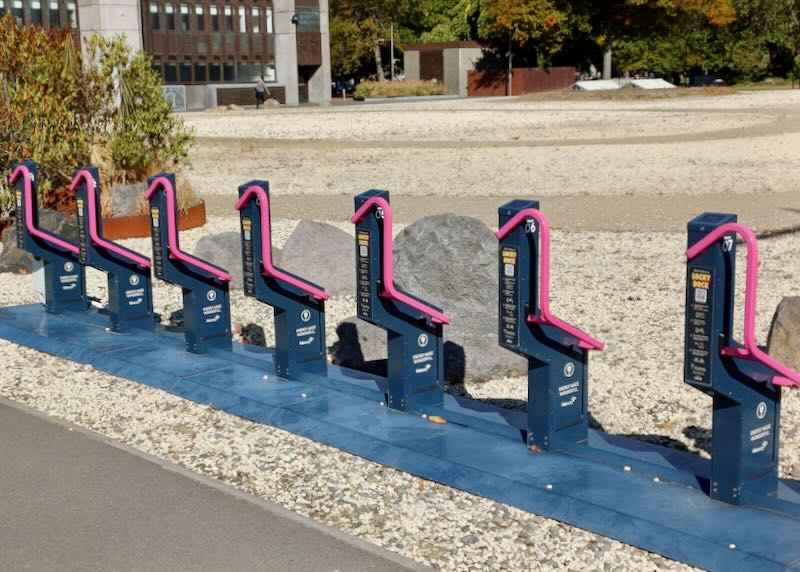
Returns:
(185, 194)
(629, 94)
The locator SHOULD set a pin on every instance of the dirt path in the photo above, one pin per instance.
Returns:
(780, 214)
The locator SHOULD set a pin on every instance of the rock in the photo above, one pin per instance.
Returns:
(272, 103)
(784, 335)
(322, 254)
(224, 249)
(13, 259)
(449, 261)
(251, 334)
(125, 199)
(470, 353)
(233, 107)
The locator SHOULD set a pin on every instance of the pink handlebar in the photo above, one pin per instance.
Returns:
(785, 375)
(124, 253)
(585, 341)
(387, 272)
(24, 172)
(268, 269)
(172, 230)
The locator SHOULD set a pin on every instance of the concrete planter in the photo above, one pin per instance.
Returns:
(138, 226)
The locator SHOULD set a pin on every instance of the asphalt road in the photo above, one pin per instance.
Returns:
(71, 500)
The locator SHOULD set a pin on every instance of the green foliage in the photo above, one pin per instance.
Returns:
(58, 109)
(398, 89)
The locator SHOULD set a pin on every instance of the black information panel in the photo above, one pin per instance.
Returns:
(20, 230)
(158, 258)
(509, 297)
(698, 333)
(82, 238)
(248, 267)
(364, 275)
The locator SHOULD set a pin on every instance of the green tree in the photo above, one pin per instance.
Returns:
(520, 22)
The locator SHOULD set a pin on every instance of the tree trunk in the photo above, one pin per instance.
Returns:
(607, 58)
(379, 62)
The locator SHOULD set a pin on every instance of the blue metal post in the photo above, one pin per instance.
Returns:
(557, 368)
(415, 368)
(746, 416)
(299, 315)
(130, 291)
(206, 301)
(64, 275)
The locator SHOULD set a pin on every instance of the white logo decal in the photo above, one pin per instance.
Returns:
(761, 410)
(134, 280)
(379, 214)
(530, 226)
(211, 296)
(569, 369)
(727, 244)
(69, 266)
(305, 315)
(422, 340)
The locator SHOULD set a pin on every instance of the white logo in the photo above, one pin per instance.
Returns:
(761, 410)
(134, 280)
(530, 226)
(727, 244)
(69, 266)
(305, 315)
(379, 214)
(569, 369)
(422, 340)
(211, 296)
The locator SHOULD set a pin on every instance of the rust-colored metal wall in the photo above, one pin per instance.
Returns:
(431, 65)
(489, 83)
(246, 95)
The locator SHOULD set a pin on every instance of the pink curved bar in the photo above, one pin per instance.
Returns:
(585, 341)
(785, 376)
(387, 272)
(267, 269)
(172, 226)
(124, 253)
(24, 172)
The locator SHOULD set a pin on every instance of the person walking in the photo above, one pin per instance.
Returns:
(262, 91)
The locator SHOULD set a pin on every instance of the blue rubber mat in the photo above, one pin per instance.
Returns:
(638, 493)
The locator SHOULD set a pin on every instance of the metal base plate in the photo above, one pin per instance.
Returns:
(635, 492)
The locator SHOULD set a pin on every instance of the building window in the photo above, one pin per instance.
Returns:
(256, 20)
(214, 72)
(255, 70)
(186, 72)
(243, 73)
(169, 10)
(72, 15)
(214, 18)
(54, 15)
(200, 17)
(170, 72)
(228, 72)
(185, 18)
(36, 12)
(269, 21)
(199, 72)
(154, 17)
(242, 22)
(228, 19)
(308, 19)
(269, 70)
(16, 12)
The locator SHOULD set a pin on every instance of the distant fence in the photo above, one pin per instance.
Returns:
(483, 83)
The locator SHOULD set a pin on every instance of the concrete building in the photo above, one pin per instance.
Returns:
(447, 62)
(209, 51)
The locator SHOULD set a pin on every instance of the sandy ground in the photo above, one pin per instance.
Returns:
(619, 179)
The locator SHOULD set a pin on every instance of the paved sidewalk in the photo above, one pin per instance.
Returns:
(71, 500)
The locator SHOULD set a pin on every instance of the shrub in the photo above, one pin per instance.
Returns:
(64, 110)
(398, 89)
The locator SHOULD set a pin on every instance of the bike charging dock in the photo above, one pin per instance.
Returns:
(649, 496)
(130, 291)
(206, 299)
(64, 275)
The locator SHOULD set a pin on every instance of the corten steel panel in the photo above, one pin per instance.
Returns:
(439, 46)
(431, 65)
(309, 49)
(485, 83)
(247, 95)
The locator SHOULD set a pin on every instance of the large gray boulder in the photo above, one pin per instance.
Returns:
(13, 259)
(125, 199)
(784, 335)
(224, 249)
(449, 261)
(470, 352)
(322, 254)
